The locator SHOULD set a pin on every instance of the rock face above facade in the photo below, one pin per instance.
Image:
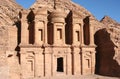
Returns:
(65, 5)
(8, 11)
(114, 29)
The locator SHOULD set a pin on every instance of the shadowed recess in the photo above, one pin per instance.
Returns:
(105, 51)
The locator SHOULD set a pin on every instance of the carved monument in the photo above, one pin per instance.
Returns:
(56, 37)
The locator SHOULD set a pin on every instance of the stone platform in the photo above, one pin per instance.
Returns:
(78, 77)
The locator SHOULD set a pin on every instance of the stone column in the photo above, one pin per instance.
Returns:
(73, 35)
(91, 35)
(47, 63)
(63, 33)
(36, 34)
(41, 58)
(82, 59)
(93, 62)
(65, 64)
(24, 29)
(69, 64)
(76, 62)
(82, 36)
(39, 64)
(23, 64)
(36, 65)
(76, 68)
(54, 33)
(45, 32)
(54, 64)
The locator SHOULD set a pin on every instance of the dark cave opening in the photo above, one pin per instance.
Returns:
(105, 63)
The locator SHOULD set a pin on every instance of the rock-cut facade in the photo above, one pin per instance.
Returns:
(57, 37)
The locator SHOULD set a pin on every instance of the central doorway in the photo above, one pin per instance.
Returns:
(60, 64)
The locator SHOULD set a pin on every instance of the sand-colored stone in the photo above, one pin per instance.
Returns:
(56, 38)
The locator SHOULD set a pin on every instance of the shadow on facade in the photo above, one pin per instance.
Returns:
(105, 63)
(86, 29)
(31, 26)
(18, 25)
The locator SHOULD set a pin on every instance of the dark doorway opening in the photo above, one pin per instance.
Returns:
(60, 64)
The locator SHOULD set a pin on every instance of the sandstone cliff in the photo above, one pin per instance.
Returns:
(66, 5)
(8, 13)
(113, 28)
(107, 40)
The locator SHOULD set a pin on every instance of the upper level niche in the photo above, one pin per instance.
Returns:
(86, 30)
(31, 25)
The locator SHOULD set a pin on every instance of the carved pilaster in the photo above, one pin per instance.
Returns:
(82, 36)
(24, 29)
(92, 35)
